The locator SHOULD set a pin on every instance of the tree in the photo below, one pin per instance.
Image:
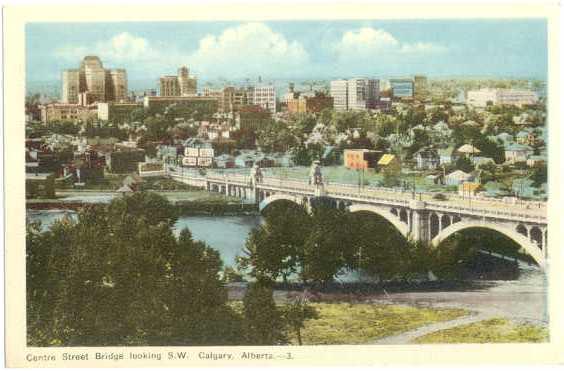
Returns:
(263, 320)
(296, 313)
(119, 276)
(325, 245)
(539, 176)
(465, 164)
(274, 248)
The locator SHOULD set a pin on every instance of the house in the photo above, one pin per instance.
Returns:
(389, 162)
(427, 159)
(457, 177)
(361, 158)
(446, 155)
(516, 152)
(224, 161)
(536, 161)
(469, 188)
(246, 159)
(468, 149)
(480, 161)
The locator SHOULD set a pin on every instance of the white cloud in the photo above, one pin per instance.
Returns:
(120, 48)
(369, 41)
(248, 50)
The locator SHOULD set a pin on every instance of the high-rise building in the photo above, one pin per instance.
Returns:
(169, 86)
(265, 96)
(362, 93)
(420, 87)
(402, 88)
(71, 86)
(92, 83)
(339, 92)
(355, 94)
(117, 89)
(188, 85)
(181, 85)
(230, 99)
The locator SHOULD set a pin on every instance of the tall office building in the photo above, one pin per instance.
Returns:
(92, 83)
(362, 93)
(265, 96)
(169, 86)
(339, 92)
(187, 84)
(71, 85)
(181, 85)
(355, 94)
(402, 88)
(420, 87)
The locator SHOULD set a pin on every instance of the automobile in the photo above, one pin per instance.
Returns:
(440, 197)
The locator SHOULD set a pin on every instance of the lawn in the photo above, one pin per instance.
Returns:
(346, 323)
(496, 330)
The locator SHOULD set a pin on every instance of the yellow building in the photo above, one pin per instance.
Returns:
(361, 158)
(389, 162)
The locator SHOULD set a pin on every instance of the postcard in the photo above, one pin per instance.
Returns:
(288, 186)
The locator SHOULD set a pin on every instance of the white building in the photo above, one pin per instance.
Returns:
(339, 92)
(265, 96)
(483, 97)
(355, 94)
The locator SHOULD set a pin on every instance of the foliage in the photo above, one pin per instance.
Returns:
(274, 248)
(263, 320)
(119, 276)
(465, 164)
(296, 313)
(539, 176)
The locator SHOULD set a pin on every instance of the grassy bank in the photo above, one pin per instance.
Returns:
(346, 323)
(355, 323)
(496, 330)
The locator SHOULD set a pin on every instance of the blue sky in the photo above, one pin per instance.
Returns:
(294, 49)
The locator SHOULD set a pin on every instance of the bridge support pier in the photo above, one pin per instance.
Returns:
(420, 222)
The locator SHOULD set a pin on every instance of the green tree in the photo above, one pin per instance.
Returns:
(274, 248)
(326, 244)
(263, 321)
(119, 276)
(296, 313)
(465, 164)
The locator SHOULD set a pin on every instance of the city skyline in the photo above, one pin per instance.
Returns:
(294, 50)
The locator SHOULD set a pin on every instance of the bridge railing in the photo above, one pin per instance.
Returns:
(484, 206)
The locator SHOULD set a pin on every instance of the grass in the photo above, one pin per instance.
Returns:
(496, 330)
(347, 323)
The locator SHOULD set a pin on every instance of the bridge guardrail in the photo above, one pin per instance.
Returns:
(367, 194)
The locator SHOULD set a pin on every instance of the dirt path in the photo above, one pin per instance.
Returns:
(410, 336)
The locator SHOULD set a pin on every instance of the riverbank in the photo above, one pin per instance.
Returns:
(186, 203)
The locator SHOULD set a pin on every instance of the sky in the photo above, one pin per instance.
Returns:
(294, 49)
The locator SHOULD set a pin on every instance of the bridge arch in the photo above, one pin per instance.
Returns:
(530, 247)
(276, 197)
(386, 214)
